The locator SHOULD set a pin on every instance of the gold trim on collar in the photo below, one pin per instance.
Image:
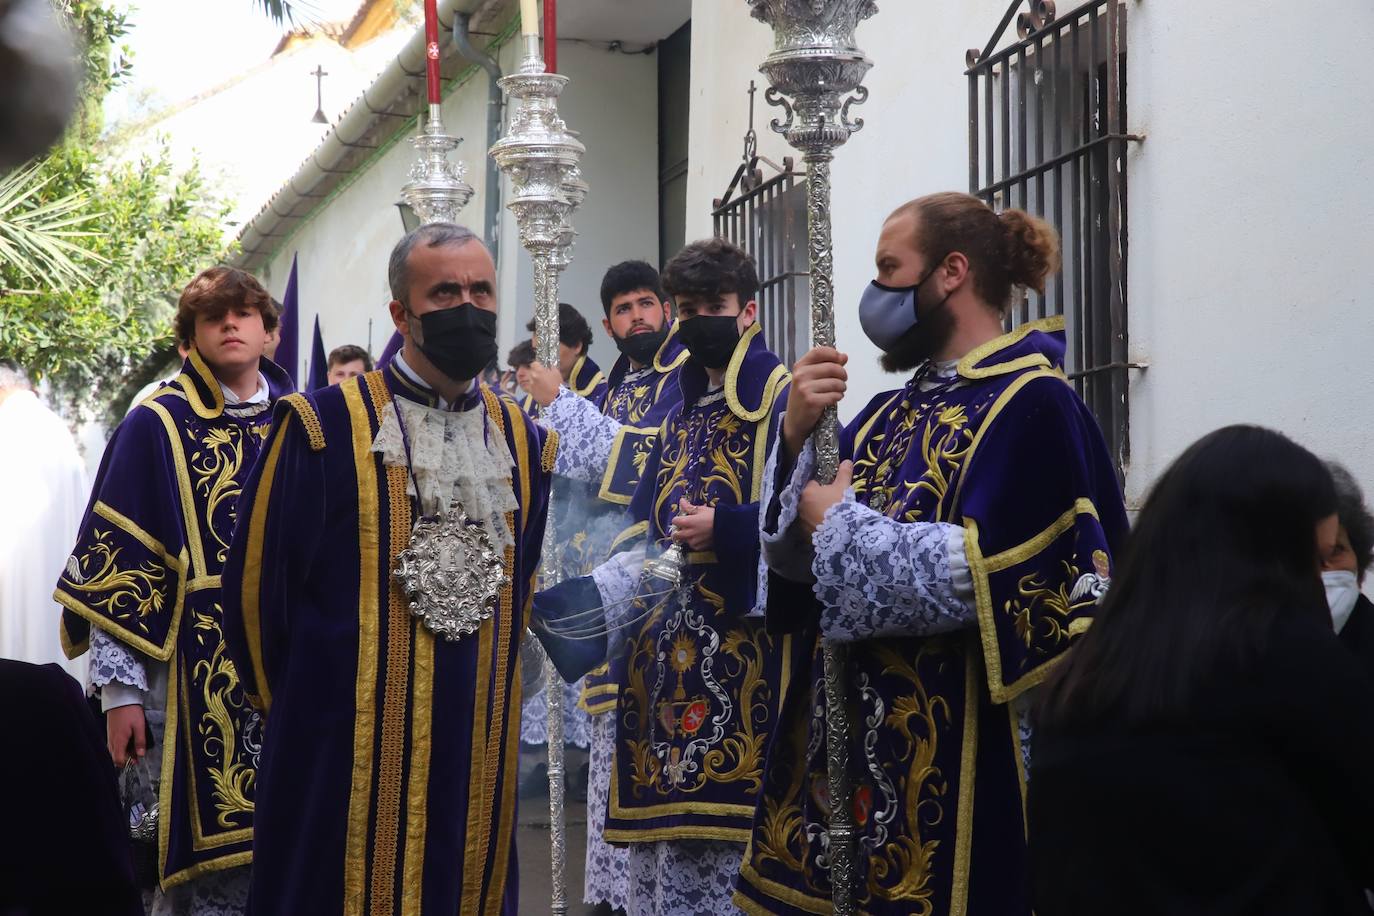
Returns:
(770, 387)
(587, 389)
(206, 376)
(430, 397)
(657, 362)
(968, 365)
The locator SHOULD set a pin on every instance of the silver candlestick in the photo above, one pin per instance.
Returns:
(436, 190)
(816, 73)
(539, 155)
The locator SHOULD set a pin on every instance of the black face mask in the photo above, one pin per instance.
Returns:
(460, 341)
(711, 339)
(641, 348)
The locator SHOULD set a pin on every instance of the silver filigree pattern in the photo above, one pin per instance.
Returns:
(437, 190)
(450, 573)
(540, 156)
(815, 74)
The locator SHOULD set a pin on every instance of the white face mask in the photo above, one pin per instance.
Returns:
(1342, 591)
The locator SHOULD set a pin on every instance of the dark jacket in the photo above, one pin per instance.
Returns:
(1261, 801)
(1358, 633)
(64, 840)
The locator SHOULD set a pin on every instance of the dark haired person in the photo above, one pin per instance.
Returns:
(699, 679)
(606, 446)
(520, 358)
(575, 366)
(141, 589)
(1345, 565)
(1207, 747)
(387, 782)
(960, 552)
(348, 361)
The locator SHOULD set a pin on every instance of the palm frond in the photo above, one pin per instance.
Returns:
(296, 12)
(37, 238)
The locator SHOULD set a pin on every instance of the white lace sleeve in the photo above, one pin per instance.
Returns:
(585, 437)
(618, 580)
(876, 576)
(786, 548)
(114, 662)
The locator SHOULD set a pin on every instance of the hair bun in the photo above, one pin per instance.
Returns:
(1032, 248)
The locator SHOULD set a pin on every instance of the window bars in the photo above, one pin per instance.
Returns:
(767, 218)
(1047, 133)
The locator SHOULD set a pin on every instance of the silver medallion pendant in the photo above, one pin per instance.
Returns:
(451, 573)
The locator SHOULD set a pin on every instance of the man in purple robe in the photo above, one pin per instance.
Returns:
(960, 551)
(699, 678)
(607, 446)
(375, 594)
(142, 591)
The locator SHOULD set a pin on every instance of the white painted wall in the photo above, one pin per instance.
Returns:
(1251, 227)
(343, 248)
(914, 141)
(1249, 219)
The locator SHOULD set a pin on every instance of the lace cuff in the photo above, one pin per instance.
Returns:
(618, 582)
(786, 548)
(114, 662)
(585, 437)
(877, 577)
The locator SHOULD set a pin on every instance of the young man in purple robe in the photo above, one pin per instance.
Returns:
(375, 596)
(699, 678)
(607, 446)
(141, 590)
(959, 552)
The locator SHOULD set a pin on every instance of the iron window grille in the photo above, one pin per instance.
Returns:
(767, 218)
(1047, 134)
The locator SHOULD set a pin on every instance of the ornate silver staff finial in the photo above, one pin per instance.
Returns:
(540, 156)
(816, 73)
(436, 190)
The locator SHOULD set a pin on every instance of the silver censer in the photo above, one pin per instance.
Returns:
(815, 74)
(540, 156)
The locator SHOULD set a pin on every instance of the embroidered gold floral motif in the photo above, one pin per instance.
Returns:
(1041, 617)
(231, 776)
(128, 595)
(917, 717)
(215, 467)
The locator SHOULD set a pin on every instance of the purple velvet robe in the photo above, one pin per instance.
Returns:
(700, 684)
(146, 568)
(388, 775)
(1013, 456)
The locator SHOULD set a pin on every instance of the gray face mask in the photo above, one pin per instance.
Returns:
(887, 313)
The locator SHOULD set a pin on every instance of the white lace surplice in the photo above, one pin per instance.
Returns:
(607, 874)
(585, 437)
(683, 878)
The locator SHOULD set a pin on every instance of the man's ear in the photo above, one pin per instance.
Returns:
(606, 323)
(748, 315)
(955, 270)
(398, 318)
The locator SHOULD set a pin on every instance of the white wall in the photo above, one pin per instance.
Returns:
(343, 248)
(1251, 227)
(914, 141)
(612, 101)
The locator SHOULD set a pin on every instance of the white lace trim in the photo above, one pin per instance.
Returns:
(219, 893)
(786, 550)
(608, 879)
(112, 662)
(585, 437)
(452, 457)
(876, 576)
(683, 878)
(617, 580)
